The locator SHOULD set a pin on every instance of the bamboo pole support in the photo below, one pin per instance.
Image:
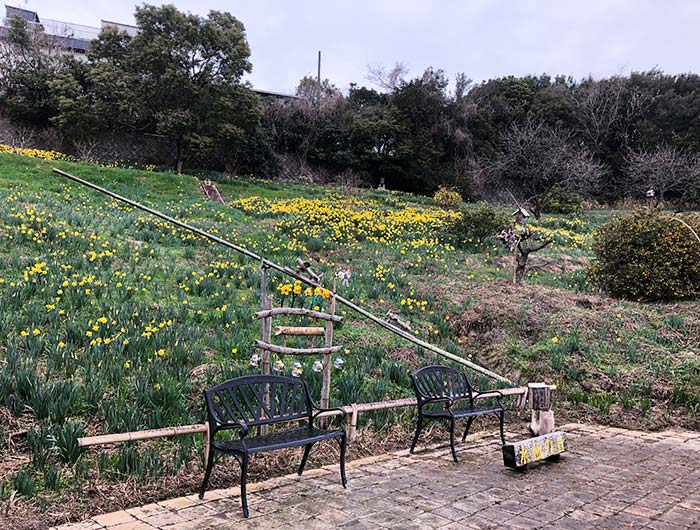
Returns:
(352, 429)
(142, 435)
(207, 449)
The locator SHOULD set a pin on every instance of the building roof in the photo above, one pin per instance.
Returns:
(26, 14)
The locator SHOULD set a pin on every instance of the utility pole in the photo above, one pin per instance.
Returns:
(318, 81)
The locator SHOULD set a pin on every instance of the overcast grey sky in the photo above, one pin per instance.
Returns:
(482, 38)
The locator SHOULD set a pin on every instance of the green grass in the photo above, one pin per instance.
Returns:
(112, 320)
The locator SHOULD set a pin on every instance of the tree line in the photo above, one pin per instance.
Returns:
(513, 138)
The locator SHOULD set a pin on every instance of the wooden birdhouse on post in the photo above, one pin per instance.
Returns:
(651, 199)
(521, 216)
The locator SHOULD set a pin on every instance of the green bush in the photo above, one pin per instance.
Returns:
(559, 200)
(477, 222)
(648, 256)
(448, 198)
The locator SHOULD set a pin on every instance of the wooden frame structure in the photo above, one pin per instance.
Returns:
(265, 345)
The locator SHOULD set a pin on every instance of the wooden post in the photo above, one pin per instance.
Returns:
(265, 332)
(206, 445)
(326, 388)
(265, 323)
(542, 417)
(352, 428)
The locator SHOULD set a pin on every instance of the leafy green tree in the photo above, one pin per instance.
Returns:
(179, 77)
(29, 60)
(189, 70)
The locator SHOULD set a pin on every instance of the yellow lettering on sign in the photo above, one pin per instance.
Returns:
(537, 451)
(524, 455)
(560, 444)
(548, 447)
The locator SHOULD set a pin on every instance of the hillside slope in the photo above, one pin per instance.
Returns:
(111, 320)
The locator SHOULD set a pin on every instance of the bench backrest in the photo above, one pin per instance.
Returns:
(440, 381)
(257, 400)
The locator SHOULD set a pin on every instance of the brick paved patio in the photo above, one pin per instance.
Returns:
(611, 479)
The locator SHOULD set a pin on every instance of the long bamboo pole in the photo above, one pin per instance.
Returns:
(285, 270)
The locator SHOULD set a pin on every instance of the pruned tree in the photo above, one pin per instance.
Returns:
(522, 241)
(666, 170)
(387, 78)
(532, 158)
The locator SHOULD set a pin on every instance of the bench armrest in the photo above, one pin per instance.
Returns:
(498, 397)
(431, 401)
(319, 411)
(244, 428)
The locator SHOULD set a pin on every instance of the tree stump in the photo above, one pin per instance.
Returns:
(542, 417)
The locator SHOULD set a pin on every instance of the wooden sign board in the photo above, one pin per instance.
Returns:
(545, 447)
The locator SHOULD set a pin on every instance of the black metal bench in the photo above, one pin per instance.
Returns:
(444, 393)
(264, 400)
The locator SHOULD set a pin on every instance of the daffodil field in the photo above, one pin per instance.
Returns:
(113, 321)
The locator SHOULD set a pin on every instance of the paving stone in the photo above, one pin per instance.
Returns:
(114, 518)
(135, 525)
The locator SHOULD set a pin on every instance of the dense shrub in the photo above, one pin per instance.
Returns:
(477, 222)
(448, 198)
(559, 200)
(648, 257)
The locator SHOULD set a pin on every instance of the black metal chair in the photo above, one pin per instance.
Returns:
(258, 400)
(444, 393)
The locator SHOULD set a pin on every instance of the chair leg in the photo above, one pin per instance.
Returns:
(343, 444)
(307, 450)
(419, 427)
(207, 474)
(502, 420)
(452, 439)
(470, 420)
(244, 477)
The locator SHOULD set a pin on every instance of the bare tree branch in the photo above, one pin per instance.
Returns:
(664, 170)
(388, 79)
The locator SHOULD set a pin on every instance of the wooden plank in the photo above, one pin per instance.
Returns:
(299, 331)
(297, 311)
(283, 350)
(547, 446)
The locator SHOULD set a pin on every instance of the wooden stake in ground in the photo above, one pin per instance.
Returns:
(265, 332)
(326, 388)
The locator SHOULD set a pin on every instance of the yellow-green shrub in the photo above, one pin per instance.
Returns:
(648, 256)
(447, 198)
